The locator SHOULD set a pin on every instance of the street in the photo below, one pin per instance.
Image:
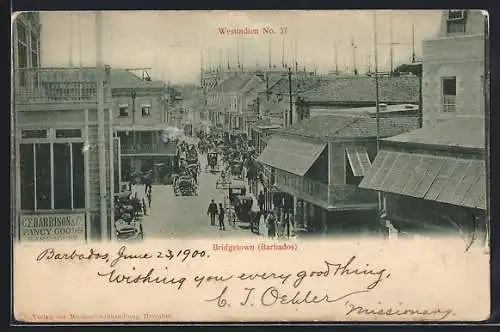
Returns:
(186, 216)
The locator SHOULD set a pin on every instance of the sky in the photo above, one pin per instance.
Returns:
(174, 43)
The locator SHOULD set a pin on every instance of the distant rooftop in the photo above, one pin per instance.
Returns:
(401, 90)
(339, 126)
(125, 79)
(456, 132)
(366, 111)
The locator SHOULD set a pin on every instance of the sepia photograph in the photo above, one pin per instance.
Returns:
(204, 154)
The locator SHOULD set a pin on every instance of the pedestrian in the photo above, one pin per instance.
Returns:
(147, 182)
(212, 211)
(144, 207)
(271, 225)
(149, 198)
(221, 218)
(261, 200)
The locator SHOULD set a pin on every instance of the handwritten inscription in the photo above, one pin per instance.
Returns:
(422, 314)
(247, 288)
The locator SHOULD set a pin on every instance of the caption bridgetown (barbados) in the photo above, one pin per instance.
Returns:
(253, 247)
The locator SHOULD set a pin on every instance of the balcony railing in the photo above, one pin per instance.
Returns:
(55, 85)
(166, 149)
(331, 195)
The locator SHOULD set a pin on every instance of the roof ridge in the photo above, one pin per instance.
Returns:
(351, 122)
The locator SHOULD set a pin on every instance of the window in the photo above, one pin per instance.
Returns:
(35, 46)
(68, 133)
(22, 52)
(449, 94)
(34, 133)
(456, 21)
(454, 15)
(52, 176)
(146, 110)
(123, 110)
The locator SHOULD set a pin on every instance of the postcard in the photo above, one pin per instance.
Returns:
(250, 166)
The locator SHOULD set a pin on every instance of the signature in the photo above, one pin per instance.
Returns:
(423, 314)
(273, 296)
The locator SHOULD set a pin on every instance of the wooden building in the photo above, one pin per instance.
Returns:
(433, 180)
(321, 161)
(140, 118)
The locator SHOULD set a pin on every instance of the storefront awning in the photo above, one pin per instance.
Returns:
(456, 181)
(359, 160)
(289, 155)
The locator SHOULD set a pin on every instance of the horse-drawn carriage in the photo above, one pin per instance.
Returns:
(242, 205)
(128, 217)
(236, 167)
(185, 185)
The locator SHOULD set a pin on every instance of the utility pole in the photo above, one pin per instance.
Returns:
(413, 43)
(133, 95)
(391, 44)
(71, 33)
(290, 93)
(283, 51)
(210, 59)
(355, 68)
(242, 55)
(220, 60)
(269, 53)
(101, 128)
(336, 60)
(267, 86)
(296, 54)
(238, 53)
(486, 93)
(80, 39)
(201, 68)
(377, 105)
(376, 80)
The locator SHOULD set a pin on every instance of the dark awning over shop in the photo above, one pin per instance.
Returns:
(449, 180)
(292, 156)
(359, 160)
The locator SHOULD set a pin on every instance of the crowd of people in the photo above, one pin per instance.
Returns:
(277, 224)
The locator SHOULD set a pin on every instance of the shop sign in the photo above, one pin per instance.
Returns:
(52, 227)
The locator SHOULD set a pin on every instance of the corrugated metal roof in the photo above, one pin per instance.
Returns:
(358, 159)
(292, 156)
(449, 180)
(456, 132)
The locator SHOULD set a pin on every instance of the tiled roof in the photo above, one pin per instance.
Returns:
(273, 107)
(338, 126)
(234, 83)
(253, 83)
(124, 79)
(457, 132)
(272, 80)
(362, 89)
(299, 84)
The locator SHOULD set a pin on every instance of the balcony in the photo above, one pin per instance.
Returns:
(55, 85)
(329, 196)
(148, 149)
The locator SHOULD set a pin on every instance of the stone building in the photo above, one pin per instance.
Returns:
(453, 65)
(63, 146)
